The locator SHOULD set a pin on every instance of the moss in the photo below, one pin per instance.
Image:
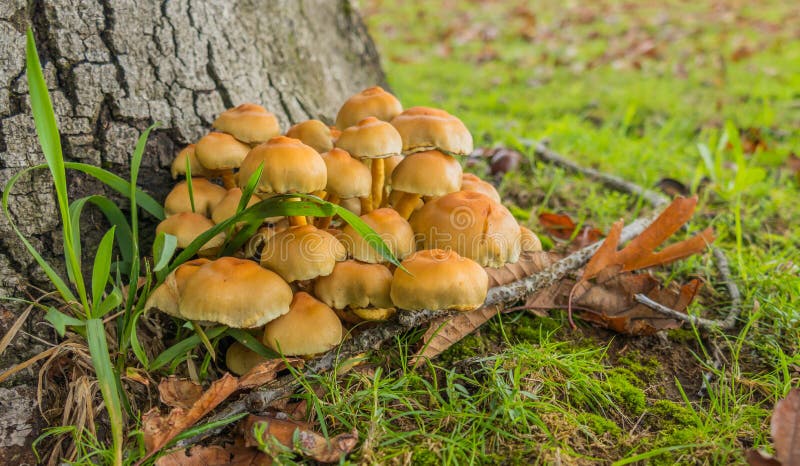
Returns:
(668, 414)
(470, 346)
(599, 425)
(622, 384)
(423, 456)
(644, 367)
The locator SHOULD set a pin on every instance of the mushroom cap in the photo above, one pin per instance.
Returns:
(310, 327)
(355, 285)
(347, 177)
(250, 123)
(471, 224)
(226, 207)
(470, 182)
(427, 173)
(187, 226)
(289, 167)
(439, 279)
(166, 298)
(390, 226)
(206, 195)
(425, 128)
(371, 138)
(240, 359)
(302, 253)
(373, 101)
(179, 164)
(234, 292)
(529, 242)
(352, 204)
(220, 151)
(313, 133)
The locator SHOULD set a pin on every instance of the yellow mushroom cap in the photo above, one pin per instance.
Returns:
(248, 123)
(529, 242)
(226, 207)
(179, 164)
(428, 173)
(166, 298)
(347, 177)
(309, 328)
(425, 128)
(206, 195)
(187, 226)
(313, 133)
(439, 279)
(390, 226)
(240, 359)
(234, 292)
(302, 253)
(471, 224)
(371, 138)
(470, 182)
(371, 102)
(289, 167)
(355, 285)
(220, 151)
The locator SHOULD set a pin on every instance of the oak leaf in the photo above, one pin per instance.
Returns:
(297, 436)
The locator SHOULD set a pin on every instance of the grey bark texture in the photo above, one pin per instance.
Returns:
(116, 66)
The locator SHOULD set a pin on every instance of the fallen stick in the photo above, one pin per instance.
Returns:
(655, 199)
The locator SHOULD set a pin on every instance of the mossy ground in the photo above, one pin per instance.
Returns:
(643, 90)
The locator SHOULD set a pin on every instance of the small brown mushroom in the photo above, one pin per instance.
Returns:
(310, 327)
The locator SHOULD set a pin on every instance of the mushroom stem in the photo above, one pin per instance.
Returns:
(366, 205)
(228, 181)
(378, 174)
(406, 204)
(324, 222)
(297, 220)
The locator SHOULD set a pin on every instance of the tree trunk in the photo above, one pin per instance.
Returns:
(116, 66)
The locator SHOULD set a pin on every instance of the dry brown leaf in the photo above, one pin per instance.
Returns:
(760, 458)
(159, 429)
(179, 393)
(444, 333)
(561, 226)
(785, 429)
(299, 437)
(215, 455)
(266, 372)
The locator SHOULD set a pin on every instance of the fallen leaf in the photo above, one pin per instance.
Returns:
(179, 393)
(298, 437)
(561, 226)
(214, 455)
(160, 429)
(504, 160)
(760, 458)
(785, 429)
(266, 372)
(672, 187)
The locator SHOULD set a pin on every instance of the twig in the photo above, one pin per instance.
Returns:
(656, 199)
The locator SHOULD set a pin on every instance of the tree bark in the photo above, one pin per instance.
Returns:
(116, 66)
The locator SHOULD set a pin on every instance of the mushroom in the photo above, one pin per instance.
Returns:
(205, 194)
(234, 292)
(179, 164)
(166, 297)
(439, 279)
(428, 173)
(249, 123)
(359, 288)
(313, 133)
(471, 224)
(389, 164)
(227, 206)
(310, 327)
(374, 140)
(390, 226)
(371, 102)
(347, 178)
(302, 253)
(353, 205)
(289, 167)
(186, 227)
(425, 128)
(470, 182)
(529, 242)
(221, 153)
(240, 359)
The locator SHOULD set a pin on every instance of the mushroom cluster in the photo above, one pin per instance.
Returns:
(300, 282)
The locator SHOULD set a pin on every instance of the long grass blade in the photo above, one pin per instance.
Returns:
(114, 216)
(252, 343)
(102, 269)
(180, 348)
(107, 379)
(120, 185)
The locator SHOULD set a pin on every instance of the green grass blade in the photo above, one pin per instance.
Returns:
(253, 343)
(143, 200)
(136, 163)
(112, 301)
(163, 248)
(372, 238)
(180, 348)
(197, 430)
(198, 330)
(240, 237)
(60, 284)
(136, 346)
(107, 379)
(114, 216)
(250, 188)
(102, 269)
(190, 184)
(61, 321)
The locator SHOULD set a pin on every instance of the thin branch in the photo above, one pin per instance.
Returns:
(668, 311)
